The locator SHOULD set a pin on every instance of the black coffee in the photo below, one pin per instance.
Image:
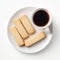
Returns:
(41, 18)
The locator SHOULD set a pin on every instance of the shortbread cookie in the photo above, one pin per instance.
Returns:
(16, 36)
(34, 38)
(28, 26)
(20, 28)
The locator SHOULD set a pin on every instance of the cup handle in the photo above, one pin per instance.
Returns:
(46, 30)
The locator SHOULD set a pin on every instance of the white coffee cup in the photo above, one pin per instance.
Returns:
(50, 18)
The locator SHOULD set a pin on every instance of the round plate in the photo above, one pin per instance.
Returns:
(38, 46)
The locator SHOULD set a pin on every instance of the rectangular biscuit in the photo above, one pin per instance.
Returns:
(20, 28)
(34, 39)
(16, 36)
(25, 21)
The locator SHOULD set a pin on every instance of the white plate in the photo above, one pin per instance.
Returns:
(38, 46)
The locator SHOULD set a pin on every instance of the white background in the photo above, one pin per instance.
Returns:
(7, 9)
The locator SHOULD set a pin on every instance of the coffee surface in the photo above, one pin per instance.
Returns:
(41, 18)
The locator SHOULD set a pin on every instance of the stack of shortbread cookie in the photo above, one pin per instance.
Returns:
(21, 31)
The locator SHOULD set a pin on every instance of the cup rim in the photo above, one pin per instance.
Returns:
(50, 18)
